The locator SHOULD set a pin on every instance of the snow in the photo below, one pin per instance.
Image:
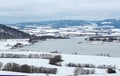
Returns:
(36, 74)
(106, 22)
(115, 34)
(64, 70)
(115, 30)
(97, 60)
(68, 58)
(6, 44)
(11, 73)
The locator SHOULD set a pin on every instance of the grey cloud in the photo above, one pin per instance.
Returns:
(33, 10)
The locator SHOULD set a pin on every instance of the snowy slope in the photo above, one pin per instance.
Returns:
(63, 70)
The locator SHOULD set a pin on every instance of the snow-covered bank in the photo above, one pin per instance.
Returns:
(6, 44)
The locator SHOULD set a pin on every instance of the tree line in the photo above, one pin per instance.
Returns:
(42, 56)
(90, 66)
(26, 68)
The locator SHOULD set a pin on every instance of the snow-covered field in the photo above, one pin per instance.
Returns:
(64, 70)
(6, 44)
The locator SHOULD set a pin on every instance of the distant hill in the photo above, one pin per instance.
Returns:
(66, 23)
(11, 33)
(55, 23)
(110, 22)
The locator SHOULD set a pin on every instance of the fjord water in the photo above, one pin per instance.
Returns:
(71, 45)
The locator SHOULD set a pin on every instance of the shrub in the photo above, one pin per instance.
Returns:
(12, 67)
(110, 70)
(81, 71)
(25, 68)
(55, 60)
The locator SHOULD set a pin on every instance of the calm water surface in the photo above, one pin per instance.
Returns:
(72, 45)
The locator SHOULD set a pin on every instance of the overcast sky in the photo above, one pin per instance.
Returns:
(12, 11)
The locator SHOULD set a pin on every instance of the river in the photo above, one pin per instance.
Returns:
(71, 45)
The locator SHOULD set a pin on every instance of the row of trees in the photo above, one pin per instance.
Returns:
(90, 66)
(81, 71)
(28, 69)
(103, 54)
(42, 56)
(33, 69)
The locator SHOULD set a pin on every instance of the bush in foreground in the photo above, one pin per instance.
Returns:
(56, 60)
(110, 70)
